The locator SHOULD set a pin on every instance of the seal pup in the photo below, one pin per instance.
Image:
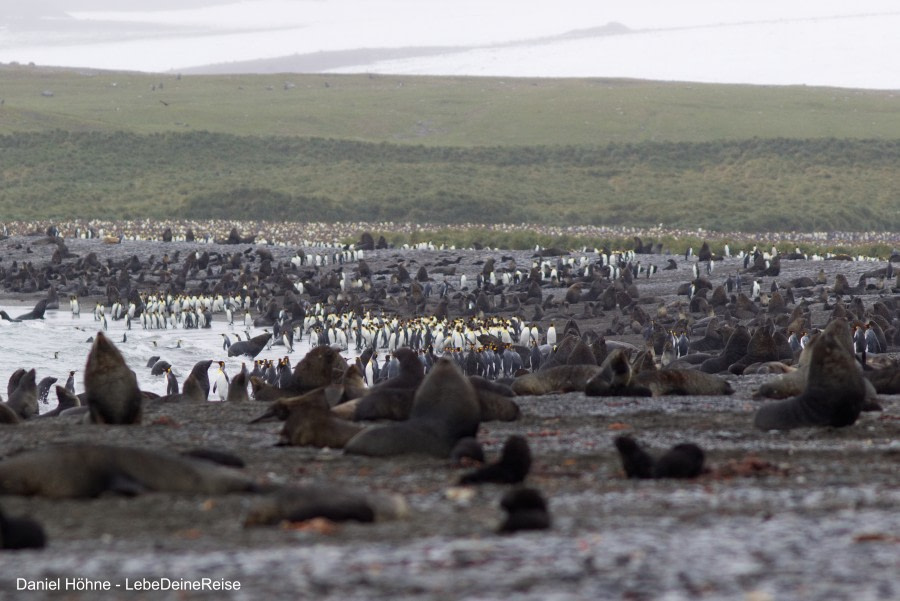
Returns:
(85, 470)
(526, 509)
(110, 387)
(445, 409)
(684, 460)
(21, 533)
(835, 389)
(512, 467)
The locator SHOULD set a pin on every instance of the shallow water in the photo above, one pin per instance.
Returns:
(60, 342)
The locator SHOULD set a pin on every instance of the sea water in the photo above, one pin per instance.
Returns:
(61, 342)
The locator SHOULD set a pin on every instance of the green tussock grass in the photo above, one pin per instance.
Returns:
(447, 150)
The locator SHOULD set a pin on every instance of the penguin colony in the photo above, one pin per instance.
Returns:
(432, 352)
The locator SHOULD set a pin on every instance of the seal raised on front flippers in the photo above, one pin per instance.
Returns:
(835, 391)
(445, 409)
(110, 387)
(511, 468)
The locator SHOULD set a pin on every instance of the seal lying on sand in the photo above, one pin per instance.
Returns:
(301, 503)
(562, 378)
(311, 423)
(84, 470)
(835, 391)
(445, 409)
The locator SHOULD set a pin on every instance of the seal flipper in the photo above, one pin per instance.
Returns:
(125, 485)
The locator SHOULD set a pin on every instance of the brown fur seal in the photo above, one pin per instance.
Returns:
(562, 378)
(445, 409)
(735, 348)
(761, 348)
(321, 366)
(249, 348)
(24, 399)
(495, 400)
(111, 389)
(301, 503)
(66, 400)
(83, 470)
(237, 388)
(681, 382)
(312, 424)
(511, 468)
(8, 416)
(835, 391)
(615, 378)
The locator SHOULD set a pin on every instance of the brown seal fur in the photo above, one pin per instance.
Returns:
(312, 424)
(835, 389)
(84, 470)
(681, 382)
(111, 389)
(562, 378)
(301, 503)
(445, 409)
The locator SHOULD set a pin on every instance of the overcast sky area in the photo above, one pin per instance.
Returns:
(780, 42)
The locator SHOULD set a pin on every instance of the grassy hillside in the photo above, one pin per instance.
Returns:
(447, 150)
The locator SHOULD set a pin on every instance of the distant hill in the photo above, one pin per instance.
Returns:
(292, 147)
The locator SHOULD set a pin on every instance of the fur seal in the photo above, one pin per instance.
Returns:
(36, 313)
(835, 391)
(302, 503)
(237, 388)
(312, 424)
(8, 416)
(66, 400)
(445, 409)
(21, 533)
(84, 470)
(734, 350)
(24, 399)
(495, 400)
(615, 378)
(681, 461)
(511, 468)
(249, 348)
(526, 509)
(110, 387)
(681, 382)
(562, 378)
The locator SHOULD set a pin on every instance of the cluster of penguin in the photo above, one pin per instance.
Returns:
(446, 376)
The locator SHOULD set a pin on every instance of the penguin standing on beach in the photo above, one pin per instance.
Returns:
(220, 385)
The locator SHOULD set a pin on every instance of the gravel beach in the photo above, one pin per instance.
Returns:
(805, 514)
